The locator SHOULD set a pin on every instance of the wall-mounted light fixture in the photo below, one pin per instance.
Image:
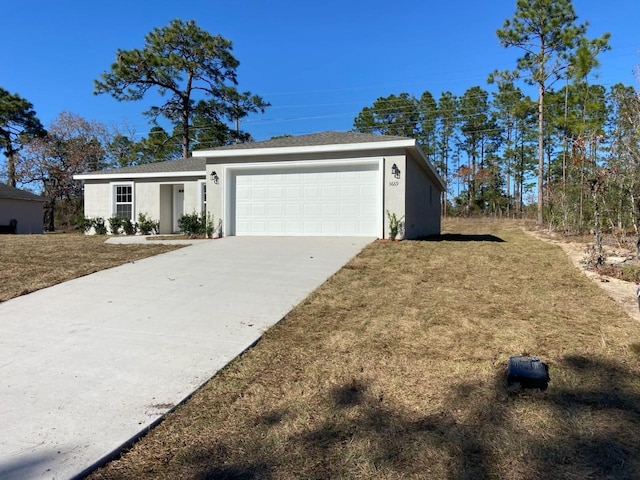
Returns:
(214, 177)
(395, 171)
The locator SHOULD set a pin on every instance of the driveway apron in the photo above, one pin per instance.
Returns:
(88, 365)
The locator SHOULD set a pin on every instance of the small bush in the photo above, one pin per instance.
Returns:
(146, 226)
(116, 224)
(191, 224)
(196, 225)
(208, 224)
(85, 223)
(99, 226)
(129, 227)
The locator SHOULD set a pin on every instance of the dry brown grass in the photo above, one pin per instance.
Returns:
(31, 262)
(395, 368)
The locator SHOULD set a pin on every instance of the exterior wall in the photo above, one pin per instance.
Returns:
(97, 199)
(146, 199)
(28, 213)
(153, 197)
(165, 206)
(423, 206)
(394, 191)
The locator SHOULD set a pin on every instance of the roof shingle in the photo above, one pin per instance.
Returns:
(313, 139)
(12, 193)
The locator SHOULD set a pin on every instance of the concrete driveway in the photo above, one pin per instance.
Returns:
(87, 365)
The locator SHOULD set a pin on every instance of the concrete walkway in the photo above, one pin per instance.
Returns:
(87, 365)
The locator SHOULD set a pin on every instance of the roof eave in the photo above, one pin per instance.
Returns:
(432, 169)
(337, 147)
(115, 176)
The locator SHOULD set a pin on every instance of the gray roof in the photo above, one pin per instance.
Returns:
(198, 164)
(313, 139)
(182, 165)
(12, 193)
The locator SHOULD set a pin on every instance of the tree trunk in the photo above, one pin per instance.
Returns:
(540, 154)
(51, 215)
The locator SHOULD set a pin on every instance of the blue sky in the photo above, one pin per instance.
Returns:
(318, 63)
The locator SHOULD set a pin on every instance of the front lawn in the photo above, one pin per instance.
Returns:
(31, 262)
(395, 368)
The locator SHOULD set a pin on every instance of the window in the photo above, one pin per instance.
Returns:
(123, 201)
(203, 196)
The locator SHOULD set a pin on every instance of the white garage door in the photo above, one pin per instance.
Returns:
(336, 200)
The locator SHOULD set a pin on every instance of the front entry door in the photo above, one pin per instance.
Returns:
(178, 205)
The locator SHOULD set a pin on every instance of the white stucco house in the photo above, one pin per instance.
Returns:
(23, 206)
(329, 184)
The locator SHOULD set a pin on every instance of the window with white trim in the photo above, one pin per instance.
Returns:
(123, 200)
(203, 196)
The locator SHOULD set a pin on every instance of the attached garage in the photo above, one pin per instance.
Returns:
(329, 184)
(313, 198)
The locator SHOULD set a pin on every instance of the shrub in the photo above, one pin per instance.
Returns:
(146, 226)
(85, 223)
(116, 224)
(196, 225)
(191, 224)
(129, 227)
(208, 225)
(395, 225)
(99, 226)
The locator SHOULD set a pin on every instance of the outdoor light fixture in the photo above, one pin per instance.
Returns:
(214, 177)
(395, 170)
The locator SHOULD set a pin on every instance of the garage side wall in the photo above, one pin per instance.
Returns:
(422, 203)
(28, 213)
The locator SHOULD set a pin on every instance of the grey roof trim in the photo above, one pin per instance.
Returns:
(8, 192)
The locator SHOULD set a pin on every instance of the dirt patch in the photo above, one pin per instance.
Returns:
(621, 291)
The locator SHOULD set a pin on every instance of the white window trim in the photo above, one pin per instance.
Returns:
(202, 185)
(112, 186)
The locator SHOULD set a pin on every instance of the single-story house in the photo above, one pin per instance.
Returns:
(23, 206)
(328, 184)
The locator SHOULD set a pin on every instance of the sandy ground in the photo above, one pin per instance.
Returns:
(623, 293)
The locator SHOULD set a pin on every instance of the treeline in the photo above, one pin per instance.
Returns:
(569, 157)
(485, 146)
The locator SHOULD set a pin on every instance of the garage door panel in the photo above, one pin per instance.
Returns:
(308, 201)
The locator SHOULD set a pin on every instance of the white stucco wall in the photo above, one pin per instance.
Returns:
(97, 200)
(153, 197)
(423, 202)
(394, 189)
(28, 213)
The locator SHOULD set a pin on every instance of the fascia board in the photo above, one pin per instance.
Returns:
(342, 147)
(116, 176)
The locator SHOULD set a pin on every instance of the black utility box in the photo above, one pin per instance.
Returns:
(529, 372)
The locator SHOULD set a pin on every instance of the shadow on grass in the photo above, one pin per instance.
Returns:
(461, 237)
(483, 431)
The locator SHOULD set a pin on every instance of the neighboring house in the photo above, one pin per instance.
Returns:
(23, 206)
(326, 184)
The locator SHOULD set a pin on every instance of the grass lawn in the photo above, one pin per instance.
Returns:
(395, 368)
(32, 262)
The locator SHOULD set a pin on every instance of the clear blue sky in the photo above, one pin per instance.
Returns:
(318, 63)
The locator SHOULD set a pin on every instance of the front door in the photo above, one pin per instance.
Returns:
(178, 205)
